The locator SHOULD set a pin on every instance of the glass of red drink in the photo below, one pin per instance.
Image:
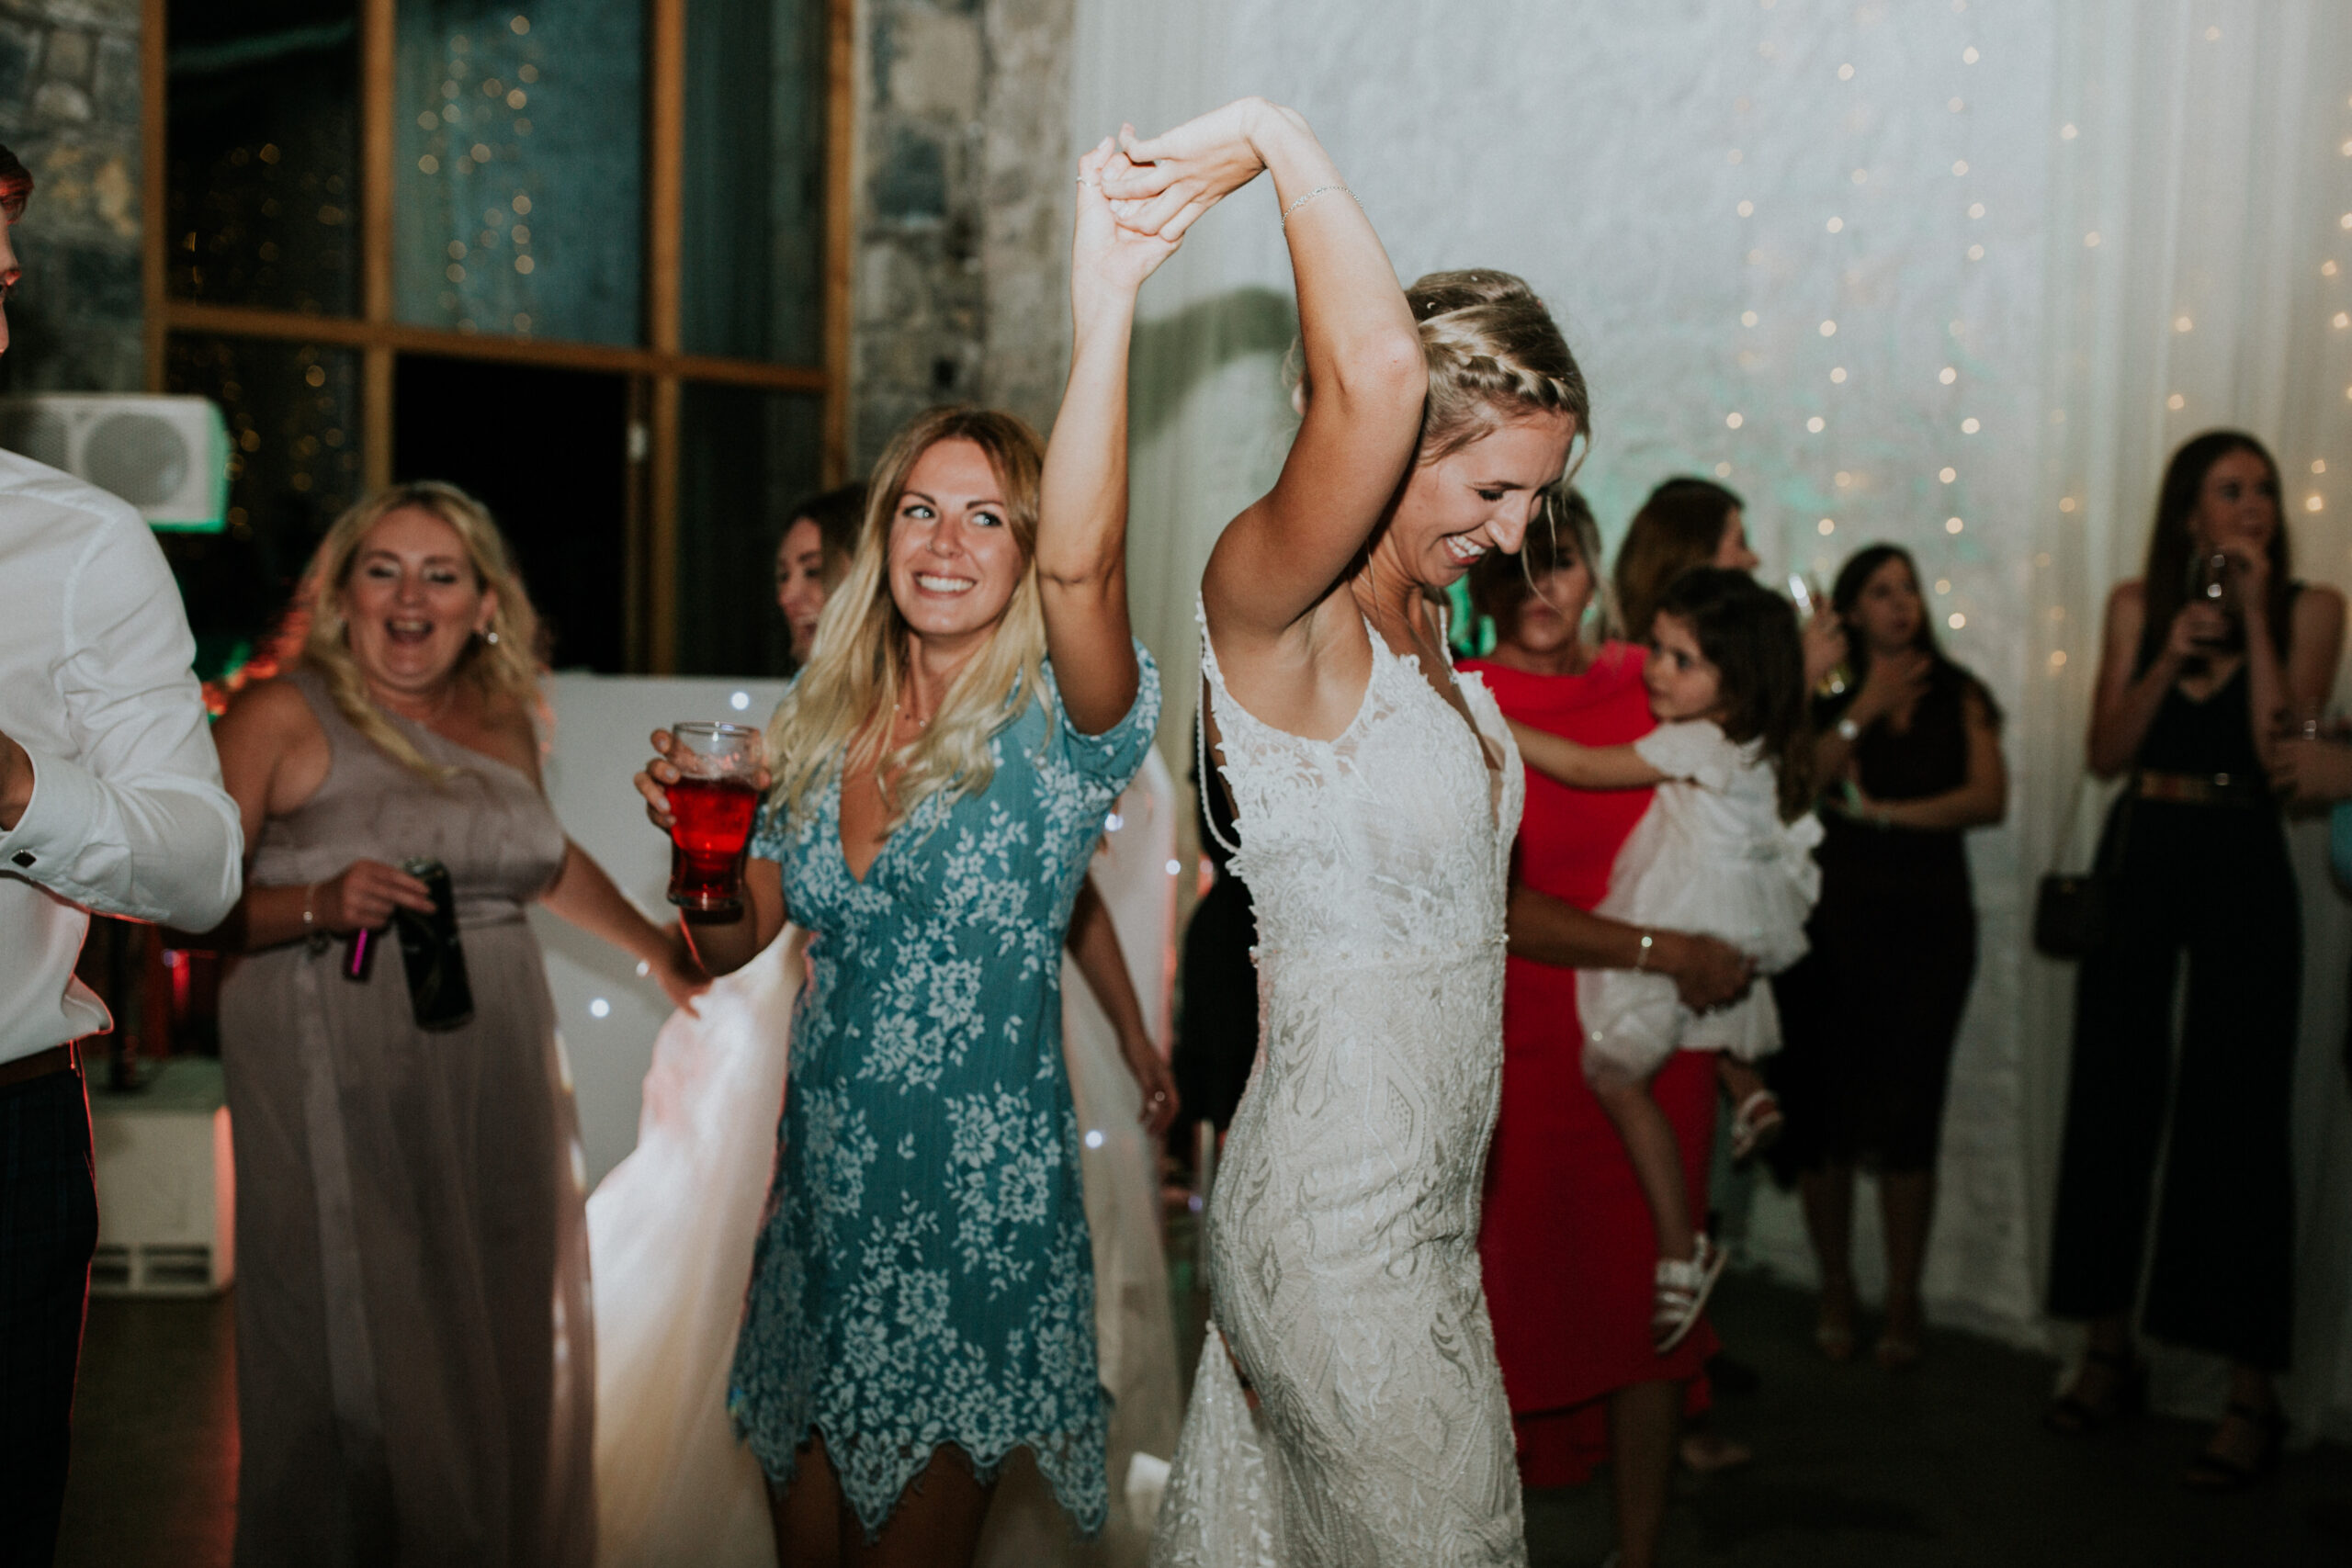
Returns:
(710, 813)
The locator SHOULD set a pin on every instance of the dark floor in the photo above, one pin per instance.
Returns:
(1942, 1467)
(154, 1476)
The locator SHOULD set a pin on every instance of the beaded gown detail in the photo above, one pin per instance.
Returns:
(1343, 1229)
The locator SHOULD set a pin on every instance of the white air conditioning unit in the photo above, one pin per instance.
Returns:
(168, 456)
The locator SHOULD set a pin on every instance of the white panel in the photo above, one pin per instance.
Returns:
(602, 725)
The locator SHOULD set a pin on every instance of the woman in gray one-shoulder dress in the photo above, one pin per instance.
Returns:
(415, 1357)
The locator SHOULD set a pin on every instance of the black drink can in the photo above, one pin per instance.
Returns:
(438, 994)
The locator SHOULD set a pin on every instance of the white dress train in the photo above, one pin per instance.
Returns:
(1343, 1228)
(671, 1230)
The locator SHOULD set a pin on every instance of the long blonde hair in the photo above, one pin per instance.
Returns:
(503, 667)
(837, 715)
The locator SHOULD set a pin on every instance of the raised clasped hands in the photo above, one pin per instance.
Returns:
(1162, 185)
(1105, 251)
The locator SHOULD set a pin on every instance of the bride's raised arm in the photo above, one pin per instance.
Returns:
(1083, 498)
(1284, 555)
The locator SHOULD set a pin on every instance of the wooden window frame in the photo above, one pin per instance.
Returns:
(658, 371)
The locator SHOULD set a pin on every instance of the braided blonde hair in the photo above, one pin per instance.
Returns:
(1494, 355)
(837, 715)
(315, 633)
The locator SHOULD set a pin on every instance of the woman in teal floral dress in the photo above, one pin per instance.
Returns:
(973, 705)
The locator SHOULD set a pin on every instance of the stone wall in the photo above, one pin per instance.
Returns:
(69, 107)
(958, 293)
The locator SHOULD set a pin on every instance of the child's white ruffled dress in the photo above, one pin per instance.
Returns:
(1711, 856)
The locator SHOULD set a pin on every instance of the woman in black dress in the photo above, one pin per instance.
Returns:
(1911, 752)
(2193, 688)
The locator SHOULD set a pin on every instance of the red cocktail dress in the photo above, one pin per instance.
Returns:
(1566, 1239)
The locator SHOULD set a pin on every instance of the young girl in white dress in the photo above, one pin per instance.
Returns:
(1723, 850)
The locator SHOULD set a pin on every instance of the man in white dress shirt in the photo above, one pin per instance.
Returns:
(110, 799)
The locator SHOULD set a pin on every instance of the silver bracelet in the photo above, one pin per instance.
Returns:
(1642, 957)
(1310, 196)
(313, 936)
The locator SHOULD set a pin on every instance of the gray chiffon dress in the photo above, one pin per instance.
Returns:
(415, 1357)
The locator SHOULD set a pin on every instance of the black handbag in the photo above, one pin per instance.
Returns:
(2070, 909)
(2070, 915)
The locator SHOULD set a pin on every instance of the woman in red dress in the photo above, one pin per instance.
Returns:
(1567, 1238)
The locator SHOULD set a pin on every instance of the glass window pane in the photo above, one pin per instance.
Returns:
(292, 411)
(261, 182)
(752, 248)
(548, 451)
(518, 171)
(746, 457)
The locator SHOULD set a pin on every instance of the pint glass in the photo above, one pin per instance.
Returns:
(711, 809)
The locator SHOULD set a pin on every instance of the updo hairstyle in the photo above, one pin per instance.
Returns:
(1495, 354)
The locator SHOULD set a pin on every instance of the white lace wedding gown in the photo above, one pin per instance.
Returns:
(1343, 1227)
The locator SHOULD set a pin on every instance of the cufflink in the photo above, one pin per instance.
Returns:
(24, 859)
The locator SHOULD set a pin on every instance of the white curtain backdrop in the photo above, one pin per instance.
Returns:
(1955, 274)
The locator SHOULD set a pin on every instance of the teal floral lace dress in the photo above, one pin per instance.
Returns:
(923, 1275)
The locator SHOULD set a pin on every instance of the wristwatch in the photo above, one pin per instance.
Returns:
(1848, 731)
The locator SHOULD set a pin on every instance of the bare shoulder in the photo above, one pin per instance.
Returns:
(1978, 709)
(2319, 608)
(269, 715)
(513, 730)
(1306, 680)
(2127, 610)
(274, 752)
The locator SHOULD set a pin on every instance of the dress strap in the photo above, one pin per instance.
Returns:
(1216, 678)
(1208, 780)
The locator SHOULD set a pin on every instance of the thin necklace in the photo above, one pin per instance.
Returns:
(1406, 624)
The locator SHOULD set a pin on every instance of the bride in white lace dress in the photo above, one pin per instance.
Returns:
(1377, 795)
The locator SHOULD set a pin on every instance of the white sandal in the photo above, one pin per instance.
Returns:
(1681, 1292)
(1756, 1125)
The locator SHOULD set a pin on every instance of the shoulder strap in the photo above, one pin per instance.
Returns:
(1213, 681)
(1208, 780)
